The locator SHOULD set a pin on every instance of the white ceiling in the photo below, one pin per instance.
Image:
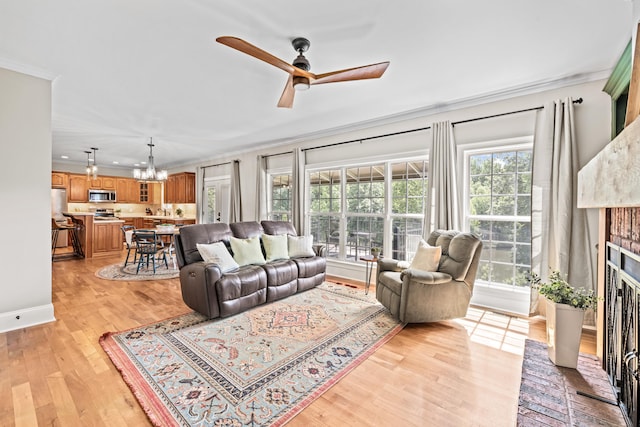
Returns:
(125, 70)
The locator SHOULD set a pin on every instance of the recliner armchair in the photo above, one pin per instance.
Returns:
(415, 296)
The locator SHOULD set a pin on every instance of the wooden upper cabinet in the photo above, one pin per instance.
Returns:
(59, 179)
(180, 188)
(78, 186)
(95, 184)
(122, 190)
(190, 186)
(108, 183)
(133, 191)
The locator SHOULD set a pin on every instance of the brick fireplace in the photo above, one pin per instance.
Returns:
(611, 182)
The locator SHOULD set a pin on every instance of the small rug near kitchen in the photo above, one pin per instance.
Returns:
(554, 396)
(258, 368)
(118, 272)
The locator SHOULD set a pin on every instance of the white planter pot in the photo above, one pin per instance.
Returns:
(564, 330)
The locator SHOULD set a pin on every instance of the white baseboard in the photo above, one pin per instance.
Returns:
(18, 319)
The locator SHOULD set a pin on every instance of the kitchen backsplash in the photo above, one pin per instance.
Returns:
(128, 209)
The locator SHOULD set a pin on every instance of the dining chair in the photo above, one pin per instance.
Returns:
(149, 247)
(127, 231)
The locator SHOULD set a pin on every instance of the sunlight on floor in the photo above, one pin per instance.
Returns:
(496, 330)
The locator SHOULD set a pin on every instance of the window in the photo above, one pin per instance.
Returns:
(364, 210)
(499, 211)
(326, 205)
(408, 197)
(355, 208)
(280, 202)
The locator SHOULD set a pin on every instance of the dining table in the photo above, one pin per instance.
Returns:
(167, 235)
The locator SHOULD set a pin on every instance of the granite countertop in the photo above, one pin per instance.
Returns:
(134, 215)
(140, 215)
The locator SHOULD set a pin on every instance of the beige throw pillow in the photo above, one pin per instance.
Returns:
(247, 251)
(217, 253)
(427, 258)
(275, 246)
(300, 246)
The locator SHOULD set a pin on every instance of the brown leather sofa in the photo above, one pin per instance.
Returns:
(208, 291)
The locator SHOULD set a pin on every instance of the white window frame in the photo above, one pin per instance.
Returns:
(387, 215)
(507, 298)
(270, 174)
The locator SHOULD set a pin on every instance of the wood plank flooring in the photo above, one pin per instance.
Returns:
(464, 372)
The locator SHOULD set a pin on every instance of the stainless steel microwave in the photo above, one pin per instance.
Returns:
(102, 196)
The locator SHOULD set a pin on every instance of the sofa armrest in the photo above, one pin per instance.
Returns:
(197, 283)
(320, 250)
(425, 277)
(389, 264)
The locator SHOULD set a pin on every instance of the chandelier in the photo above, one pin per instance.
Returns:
(150, 174)
(92, 170)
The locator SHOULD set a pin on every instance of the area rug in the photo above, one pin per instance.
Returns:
(257, 368)
(555, 396)
(118, 272)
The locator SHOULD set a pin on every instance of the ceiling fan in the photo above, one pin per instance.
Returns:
(300, 78)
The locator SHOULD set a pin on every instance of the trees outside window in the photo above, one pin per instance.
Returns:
(499, 211)
(355, 208)
(280, 197)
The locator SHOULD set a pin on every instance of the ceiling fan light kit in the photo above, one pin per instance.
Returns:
(300, 78)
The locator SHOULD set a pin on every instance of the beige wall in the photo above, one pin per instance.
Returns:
(25, 186)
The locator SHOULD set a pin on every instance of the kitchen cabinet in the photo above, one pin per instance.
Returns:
(108, 183)
(107, 238)
(59, 180)
(180, 188)
(146, 192)
(95, 183)
(127, 190)
(78, 189)
(122, 190)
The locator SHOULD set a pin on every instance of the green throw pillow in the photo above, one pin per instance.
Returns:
(275, 246)
(247, 251)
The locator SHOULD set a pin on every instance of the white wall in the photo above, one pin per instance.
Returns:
(25, 186)
(592, 128)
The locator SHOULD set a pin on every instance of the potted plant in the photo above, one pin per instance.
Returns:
(565, 307)
(375, 251)
(179, 212)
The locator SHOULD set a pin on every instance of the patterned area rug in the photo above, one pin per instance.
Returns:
(128, 273)
(258, 368)
(555, 396)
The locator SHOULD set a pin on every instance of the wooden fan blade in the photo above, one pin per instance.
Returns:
(256, 52)
(286, 99)
(372, 71)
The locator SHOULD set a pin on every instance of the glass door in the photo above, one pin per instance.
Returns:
(217, 199)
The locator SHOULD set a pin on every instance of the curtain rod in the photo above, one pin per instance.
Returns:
(367, 138)
(575, 101)
(278, 154)
(219, 164)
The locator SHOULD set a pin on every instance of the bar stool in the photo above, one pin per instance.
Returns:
(55, 232)
(78, 229)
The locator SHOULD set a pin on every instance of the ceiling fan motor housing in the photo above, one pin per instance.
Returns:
(302, 63)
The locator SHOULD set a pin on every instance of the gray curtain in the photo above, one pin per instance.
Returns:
(261, 189)
(443, 211)
(560, 233)
(297, 196)
(235, 210)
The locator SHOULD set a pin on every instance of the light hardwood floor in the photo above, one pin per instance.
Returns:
(463, 372)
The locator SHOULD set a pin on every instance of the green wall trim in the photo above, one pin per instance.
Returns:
(621, 76)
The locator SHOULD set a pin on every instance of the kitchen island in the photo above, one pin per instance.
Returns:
(98, 237)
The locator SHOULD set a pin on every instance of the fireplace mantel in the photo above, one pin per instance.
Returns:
(612, 177)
